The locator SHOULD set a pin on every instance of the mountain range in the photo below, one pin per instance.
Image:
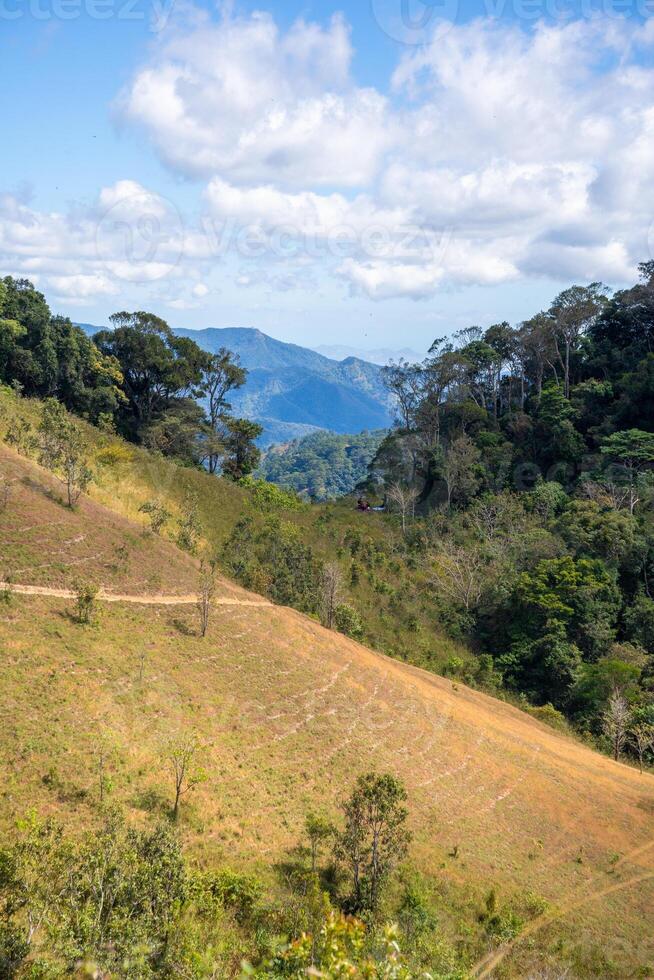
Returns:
(379, 355)
(293, 391)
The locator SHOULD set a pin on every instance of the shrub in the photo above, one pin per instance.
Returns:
(157, 513)
(267, 497)
(85, 596)
(188, 534)
(502, 925)
(5, 492)
(113, 454)
(549, 715)
(239, 893)
(348, 621)
(20, 435)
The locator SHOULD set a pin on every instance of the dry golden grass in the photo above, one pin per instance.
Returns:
(126, 476)
(287, 715)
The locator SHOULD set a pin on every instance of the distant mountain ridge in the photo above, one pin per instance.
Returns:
(293, 391)
(378, 355)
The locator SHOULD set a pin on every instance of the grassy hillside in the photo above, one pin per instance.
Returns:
(287, 714)
(396, 610)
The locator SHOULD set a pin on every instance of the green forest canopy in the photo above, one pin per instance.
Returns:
(155, 388)
(322, 465)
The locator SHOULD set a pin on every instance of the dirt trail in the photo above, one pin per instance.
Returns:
(140, 600)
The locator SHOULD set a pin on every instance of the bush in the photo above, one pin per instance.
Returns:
(21, 436)
(157, 513)
(549, 715)
(85, 596)
(5, 492)
(348, 621)
(267, 497)
(502, 925)
(188, 534)
(113, 454)
(240, 893)
(273, 560)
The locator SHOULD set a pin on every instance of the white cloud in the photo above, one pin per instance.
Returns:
(242, 99)
(81, 287)
(460, 261)
(544, 138)
(532, 151)
(502, 154)
(126, 238)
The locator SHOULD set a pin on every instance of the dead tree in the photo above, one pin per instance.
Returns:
(615, 722)
(458, 573)
(330, 593)
(206, 593)
(404, 498)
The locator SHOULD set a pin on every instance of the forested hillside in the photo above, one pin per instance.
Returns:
(292, 391)
(323, 465)
(529, 453)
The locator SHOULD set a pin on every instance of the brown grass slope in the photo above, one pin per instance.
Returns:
(287, 714)
(397, 610)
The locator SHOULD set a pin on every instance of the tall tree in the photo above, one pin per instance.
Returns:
(158, 368)
(634, 451)
(574, 311)
(221, 374)
(375, 837)
(537, 352)
(242, 454)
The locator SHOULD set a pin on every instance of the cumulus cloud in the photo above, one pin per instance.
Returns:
(530, 150)
(558, 123)
(242, 99)
(502, 153)
(128, 235)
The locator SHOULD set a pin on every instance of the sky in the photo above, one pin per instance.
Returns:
(368, 173)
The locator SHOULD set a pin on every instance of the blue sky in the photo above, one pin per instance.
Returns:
(374, 173)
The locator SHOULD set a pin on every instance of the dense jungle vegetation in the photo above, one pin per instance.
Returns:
(529, 453)
(323, 465)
